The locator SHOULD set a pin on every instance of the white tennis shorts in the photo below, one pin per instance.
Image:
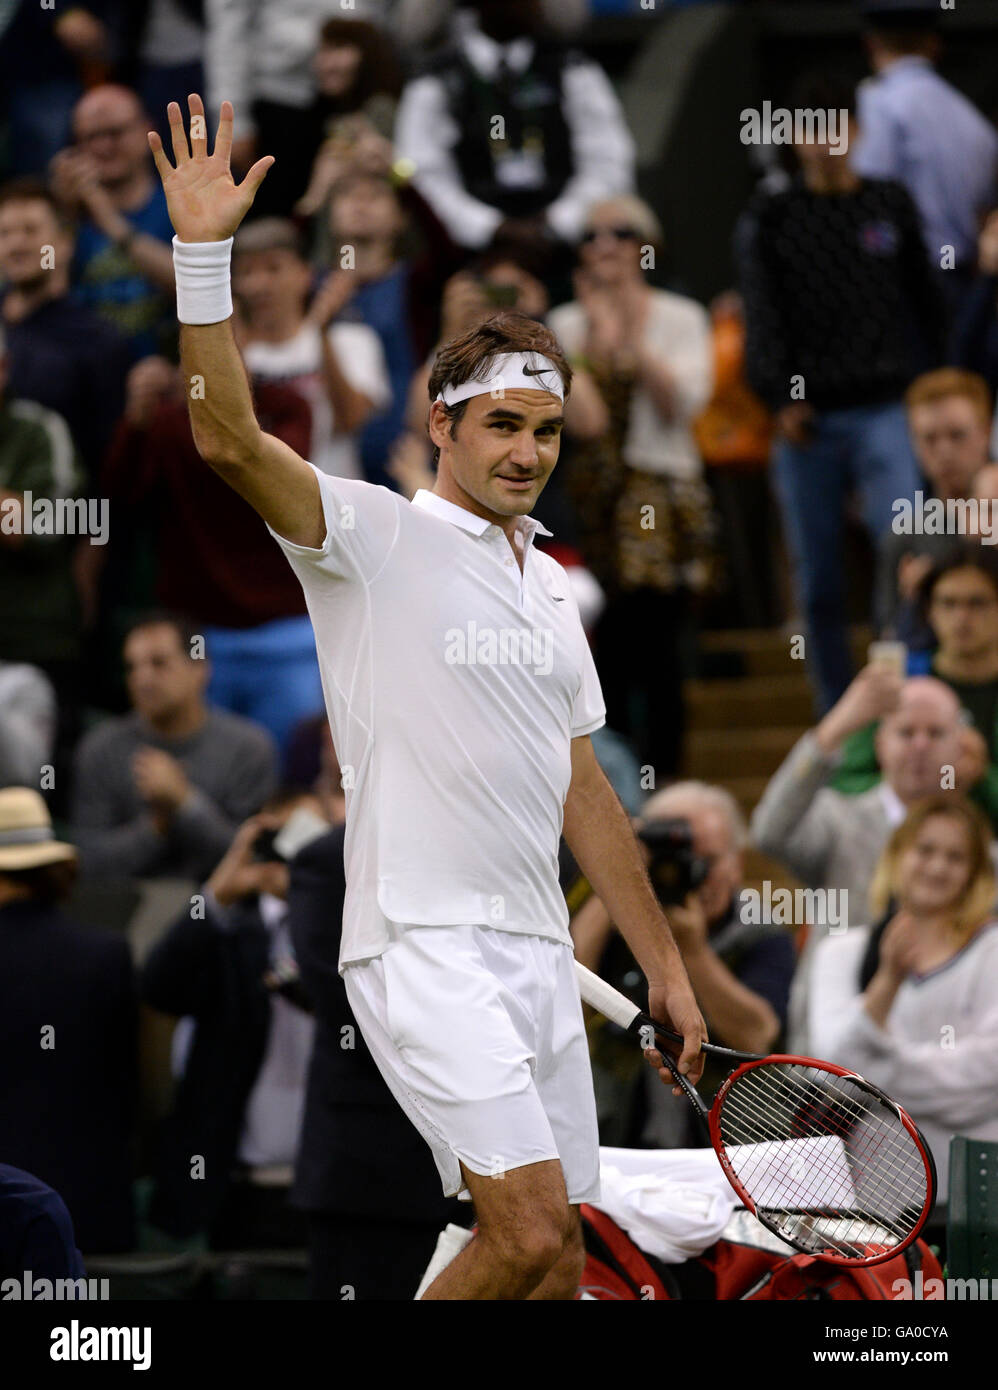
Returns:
(479, 1035)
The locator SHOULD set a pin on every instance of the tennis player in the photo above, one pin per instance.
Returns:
(461, 695)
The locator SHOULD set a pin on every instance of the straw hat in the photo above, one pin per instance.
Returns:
(26, 840)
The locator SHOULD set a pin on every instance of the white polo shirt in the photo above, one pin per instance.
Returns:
(454, 685)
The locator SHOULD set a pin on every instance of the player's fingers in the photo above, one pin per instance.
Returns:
(223, 136)
(255, 176)
(177, 136)
(163, 165)
(199, 127)
(691, 1059)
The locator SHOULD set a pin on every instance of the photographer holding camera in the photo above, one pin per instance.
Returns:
(693, 836)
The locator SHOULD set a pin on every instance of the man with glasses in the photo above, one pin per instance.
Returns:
(123, 268)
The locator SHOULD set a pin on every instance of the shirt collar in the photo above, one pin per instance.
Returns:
(910, 62)
(427, 501)
(894, 807)
(485, 53)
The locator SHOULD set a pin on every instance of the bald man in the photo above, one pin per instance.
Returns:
(123, 267)
(832, 840)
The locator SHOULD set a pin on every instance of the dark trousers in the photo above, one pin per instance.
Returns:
(637, 646)
(355, 1258)
(257, 1218)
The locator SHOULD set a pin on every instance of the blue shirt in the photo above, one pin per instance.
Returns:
(106, 280)
(915, 128)
(383, 305)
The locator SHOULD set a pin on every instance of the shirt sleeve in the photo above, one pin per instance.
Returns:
(589, 711)
(878, 153)
(362, 527)
(362, 361)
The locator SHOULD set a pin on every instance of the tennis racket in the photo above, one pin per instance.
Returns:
(821, 1157)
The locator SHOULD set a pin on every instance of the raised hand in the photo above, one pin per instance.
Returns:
(204, 202)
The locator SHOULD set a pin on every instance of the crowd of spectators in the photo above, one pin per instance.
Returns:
(164, 757)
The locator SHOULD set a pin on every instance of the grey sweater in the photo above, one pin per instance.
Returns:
(231, 764)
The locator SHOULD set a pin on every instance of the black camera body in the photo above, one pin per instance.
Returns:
(675, 870)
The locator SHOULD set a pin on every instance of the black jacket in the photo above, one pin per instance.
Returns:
(359, 1154)
(215, 975)
(67, 1110)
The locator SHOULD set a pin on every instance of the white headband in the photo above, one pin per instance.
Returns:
(510, 371)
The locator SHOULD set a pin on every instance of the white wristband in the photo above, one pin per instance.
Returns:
(204, 294)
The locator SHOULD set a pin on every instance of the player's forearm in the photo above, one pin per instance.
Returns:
(601, 838)
(225, 429)
(738, 1016)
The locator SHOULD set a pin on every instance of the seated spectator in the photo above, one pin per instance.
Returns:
(649, 353)
(39, 602)
(268, 60)
(215, 561)
(974, 341)
(740, 971)
(67, 1033)
(949, 418)
(358, 81)
(27, 723)
(958, 599)
(338, 367)
(911, 1002)
(392, 287)
(123, 264)
(833, 841)
(161, 791)
(842, 312)
(61, 354)
(241, 1048)
(529, 176)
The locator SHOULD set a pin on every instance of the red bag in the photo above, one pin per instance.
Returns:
(617, 1269)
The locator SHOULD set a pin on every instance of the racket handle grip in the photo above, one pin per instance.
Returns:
(605, 999)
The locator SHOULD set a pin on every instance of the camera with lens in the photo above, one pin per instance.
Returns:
(675, 869)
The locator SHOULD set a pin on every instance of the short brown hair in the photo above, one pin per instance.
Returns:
(950, 381)
(467, 357)
(28, 188)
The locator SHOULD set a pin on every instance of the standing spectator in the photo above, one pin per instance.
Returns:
(564, 145)
(245, 1037)
(915, 128)
(242, 596)
(396, 288)
(911, 1002)
(338, 367)
(949, 419)
(67, 1033)
(62, 355)
(645, 516)
(358, 82)
(161, 791)
(842, 312)
(261, 57)
(123, 267)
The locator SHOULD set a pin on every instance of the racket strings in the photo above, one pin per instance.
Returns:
(829, 1163)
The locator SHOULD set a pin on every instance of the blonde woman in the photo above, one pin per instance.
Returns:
(912, 1002)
